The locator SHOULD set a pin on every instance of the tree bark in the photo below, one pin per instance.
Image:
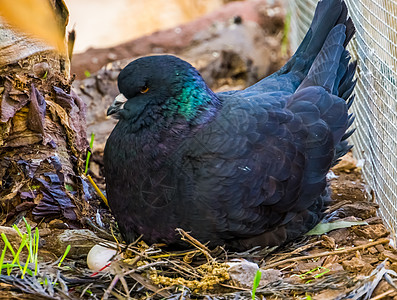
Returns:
(42, 128)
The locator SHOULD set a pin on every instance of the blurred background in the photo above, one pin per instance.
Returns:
(104, 23)
(232, 43)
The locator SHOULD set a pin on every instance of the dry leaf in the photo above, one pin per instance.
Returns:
(323, 228)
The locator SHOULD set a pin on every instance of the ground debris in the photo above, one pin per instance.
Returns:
(366, 286)
(212, 274)
(242, 272)
(334, 265)
(357, 265)
(371, 231)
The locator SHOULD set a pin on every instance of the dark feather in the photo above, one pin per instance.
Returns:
(239, 168)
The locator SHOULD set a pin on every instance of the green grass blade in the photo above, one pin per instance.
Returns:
(64, 255)
(36, 249)
(7, 244)
(26, 266)
(28, 227)
(17, 230)
(3, 253)
(255, 285)
(87, 162)
(16, 257)
(29, 245)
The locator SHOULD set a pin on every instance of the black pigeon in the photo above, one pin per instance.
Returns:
(239, 168)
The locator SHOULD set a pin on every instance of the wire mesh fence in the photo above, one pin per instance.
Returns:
(375, 106)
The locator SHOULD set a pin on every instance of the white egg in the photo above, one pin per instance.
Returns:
(99, 256)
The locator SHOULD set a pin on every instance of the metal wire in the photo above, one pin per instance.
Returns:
(375, 107)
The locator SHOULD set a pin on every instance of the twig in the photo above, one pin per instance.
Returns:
(110, 287)
(187, 237)
(85, 289)
(143, 253)
(143, 267)
(327, 253)
(90, 223)
(380, 296)
(167, 255)
(235, 287)
(122, 279)
(120, 274)
(136, 241)
(344, 258)
(296, 251)
(180, 268)
(288, 266)
(147, 284)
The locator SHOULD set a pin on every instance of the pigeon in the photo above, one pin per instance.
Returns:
(238, 169)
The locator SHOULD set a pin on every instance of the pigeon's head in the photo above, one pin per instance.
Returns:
(161, 87)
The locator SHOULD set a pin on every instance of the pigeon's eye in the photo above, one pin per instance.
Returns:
(144, 89)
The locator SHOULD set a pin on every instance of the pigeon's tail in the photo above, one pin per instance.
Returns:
(331, 68)
(345, 89)
(328, 14)
(322, 101)
(333, 71)
(324, 95)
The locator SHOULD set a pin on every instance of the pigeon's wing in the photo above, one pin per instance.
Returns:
(246, 167)
(262, 164)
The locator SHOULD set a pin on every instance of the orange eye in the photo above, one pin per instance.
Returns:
(144, 89)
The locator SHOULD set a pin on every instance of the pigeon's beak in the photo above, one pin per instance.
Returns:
(117, 105)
